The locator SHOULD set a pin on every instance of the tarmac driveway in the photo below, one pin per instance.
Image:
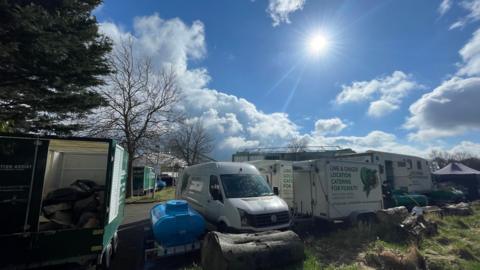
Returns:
(130, 250)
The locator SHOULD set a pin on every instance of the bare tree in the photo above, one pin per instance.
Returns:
(439, 159)
(140, 103)
(443, 158)
(297, 145)
(191, 142)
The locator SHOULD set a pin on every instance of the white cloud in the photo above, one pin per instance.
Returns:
(329, 126)
(466, 147)
(386, 92)
(450, 109)
(387, 142)
(375, 140)
(227, 124)
(473, 9)
(444, 6)
(380, 108)
(280, 10)
(470, 54)
(98, 10)
(234, 122)
(238, 143)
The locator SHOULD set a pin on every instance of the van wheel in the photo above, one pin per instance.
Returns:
(366, 219)
(222, 227)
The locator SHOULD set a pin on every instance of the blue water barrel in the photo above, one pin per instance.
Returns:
(176, 223)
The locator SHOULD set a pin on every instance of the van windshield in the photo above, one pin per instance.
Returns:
(245, 185)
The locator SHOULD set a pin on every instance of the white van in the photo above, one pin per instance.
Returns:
(233, 196)
(279, 175)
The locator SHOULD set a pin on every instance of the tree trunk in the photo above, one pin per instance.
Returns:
(251, 251)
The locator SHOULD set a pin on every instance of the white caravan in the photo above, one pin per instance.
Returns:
(279, 175)
(232, 196)
(399, 172)
(336, 190)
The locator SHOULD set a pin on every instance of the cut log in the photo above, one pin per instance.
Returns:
(417, 227)
(461, 209)
(392, 216)
(251, 251)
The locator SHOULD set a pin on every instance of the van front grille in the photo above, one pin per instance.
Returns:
(270, 219)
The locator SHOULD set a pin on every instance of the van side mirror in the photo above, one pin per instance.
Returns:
(216, 195)
(275, 190)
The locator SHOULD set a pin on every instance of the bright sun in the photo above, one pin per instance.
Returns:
(318, 44)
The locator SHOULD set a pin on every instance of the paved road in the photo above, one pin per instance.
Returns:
(131, 235)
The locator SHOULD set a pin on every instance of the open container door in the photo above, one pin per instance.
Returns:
(302, 188)
(22, 166)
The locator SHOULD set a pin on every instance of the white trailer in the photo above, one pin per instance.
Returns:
(399, 172)
(336, 190)
(279, 175)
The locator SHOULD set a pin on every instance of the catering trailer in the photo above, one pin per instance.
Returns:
(62, 200)
(399, 172)
(279, 175)
(406, 179)
(336, 190)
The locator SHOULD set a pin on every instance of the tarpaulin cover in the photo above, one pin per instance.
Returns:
(460, 175)
(456, 168)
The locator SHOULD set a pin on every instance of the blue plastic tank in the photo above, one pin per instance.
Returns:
(176, 223)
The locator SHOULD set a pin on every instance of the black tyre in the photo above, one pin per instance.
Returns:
(222, 227)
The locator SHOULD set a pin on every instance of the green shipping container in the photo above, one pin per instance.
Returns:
(143, 180)
(31, 169)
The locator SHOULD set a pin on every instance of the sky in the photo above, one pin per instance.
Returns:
(392, 75)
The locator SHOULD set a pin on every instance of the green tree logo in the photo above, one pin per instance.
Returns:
(369, 179)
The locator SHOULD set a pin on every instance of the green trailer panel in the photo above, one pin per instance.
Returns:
(143, 179)
(26, 164)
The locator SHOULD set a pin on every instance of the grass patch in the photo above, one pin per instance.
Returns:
(456, 246)
(168, 193)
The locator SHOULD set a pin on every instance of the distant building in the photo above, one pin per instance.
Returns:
(285, 153)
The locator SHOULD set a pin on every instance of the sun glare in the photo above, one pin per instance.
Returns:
(318, 44)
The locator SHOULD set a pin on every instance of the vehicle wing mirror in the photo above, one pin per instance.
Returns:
(275, 190)
(216, 195)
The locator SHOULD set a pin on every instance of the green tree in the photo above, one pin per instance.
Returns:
(51, 56)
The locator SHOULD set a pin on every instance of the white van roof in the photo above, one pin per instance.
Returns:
(224, 167)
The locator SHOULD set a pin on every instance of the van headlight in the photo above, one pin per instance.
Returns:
(243, 217)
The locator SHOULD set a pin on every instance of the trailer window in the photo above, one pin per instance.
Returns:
(419, 165)
(401, 164)
(409, 161)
